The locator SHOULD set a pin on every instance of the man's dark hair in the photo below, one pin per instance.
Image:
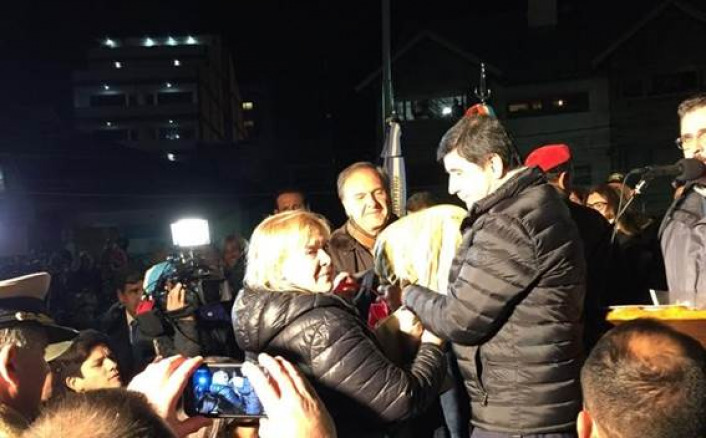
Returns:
(350, 170)
(290, 189)
(69, 363)
(646, 380)
(476, 138)
(420, 201)
(693, 103)
(103, 413)
(128, 275)
(554, 173)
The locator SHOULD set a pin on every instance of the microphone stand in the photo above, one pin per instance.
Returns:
(640, 187)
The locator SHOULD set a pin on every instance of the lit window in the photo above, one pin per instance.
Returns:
(537, 105)
(106, 87)
(517, 107)
(118, 64)
(171, 41)
(109, 43)
(171, 157)
(108, 124)
(559, 102)
(446, 110)
(177, 63)
(168, 85)
(247, 106)
(190, 40)
(149, 42)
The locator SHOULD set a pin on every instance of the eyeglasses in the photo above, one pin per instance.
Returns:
(597, 205)
(689, 141)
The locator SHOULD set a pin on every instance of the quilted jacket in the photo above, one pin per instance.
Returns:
(323, 335)
(513, 309)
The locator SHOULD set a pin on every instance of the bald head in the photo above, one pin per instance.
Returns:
(643, 379)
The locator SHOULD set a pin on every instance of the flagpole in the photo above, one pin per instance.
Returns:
(387, 96)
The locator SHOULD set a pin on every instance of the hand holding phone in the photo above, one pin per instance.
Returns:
(162, 383)
(293, 408)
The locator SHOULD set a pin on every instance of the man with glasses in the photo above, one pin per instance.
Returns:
(683, 231)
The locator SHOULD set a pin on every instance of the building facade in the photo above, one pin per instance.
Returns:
(167, 93)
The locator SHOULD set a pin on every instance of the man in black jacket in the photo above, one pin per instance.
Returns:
(516, 288)
(131, 347)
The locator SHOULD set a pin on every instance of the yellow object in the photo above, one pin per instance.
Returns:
(676, 312)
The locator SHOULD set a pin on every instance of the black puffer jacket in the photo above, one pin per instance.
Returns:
(513, 309)
(324, 336)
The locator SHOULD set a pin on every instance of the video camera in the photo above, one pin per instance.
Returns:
(201, 282)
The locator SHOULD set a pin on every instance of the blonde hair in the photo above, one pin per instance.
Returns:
(271, 243)
(420, 247)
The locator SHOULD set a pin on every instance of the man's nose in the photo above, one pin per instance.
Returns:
(452, 186)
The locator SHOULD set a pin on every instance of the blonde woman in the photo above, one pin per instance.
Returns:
(419, 249)
(286, 309)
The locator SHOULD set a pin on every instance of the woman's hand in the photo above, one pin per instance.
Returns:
(430, 338)
(409, 323)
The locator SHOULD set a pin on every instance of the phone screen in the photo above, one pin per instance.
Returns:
(221, 390)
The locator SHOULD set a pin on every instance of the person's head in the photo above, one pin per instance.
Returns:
(692, 121)
(477, 154)
(87, 365)
(420, 201)
(290, 199)
(555, 162)
(23, 369)
(437, 230)
(104, 413)
(604, 199)
(286, 252)
(25, 333)
(233, 249)
(362, 188)
(644, 380)
(128, 287)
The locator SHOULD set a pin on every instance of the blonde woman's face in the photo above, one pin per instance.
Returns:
(309, 267)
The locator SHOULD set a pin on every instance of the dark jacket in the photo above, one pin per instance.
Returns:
(347, 254)
(604, 276)
(683, 239)
(513, 309)
(132, 358)
(323, 335)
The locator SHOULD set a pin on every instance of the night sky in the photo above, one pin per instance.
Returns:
(307, 42)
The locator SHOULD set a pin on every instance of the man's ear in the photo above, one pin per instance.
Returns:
(584, 424)
(8, 365)
(565, 181)
(496, 166)
(74, 384)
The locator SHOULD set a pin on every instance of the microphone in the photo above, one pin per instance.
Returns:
(686, 169)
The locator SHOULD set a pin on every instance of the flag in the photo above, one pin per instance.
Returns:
(393, 162)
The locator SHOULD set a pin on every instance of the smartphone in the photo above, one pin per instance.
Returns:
(219, 390)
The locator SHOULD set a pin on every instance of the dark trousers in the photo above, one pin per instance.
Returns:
(477, 433)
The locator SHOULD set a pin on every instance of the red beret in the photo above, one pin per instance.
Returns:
(548, 157)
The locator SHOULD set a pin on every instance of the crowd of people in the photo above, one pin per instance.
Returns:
(483, 321)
